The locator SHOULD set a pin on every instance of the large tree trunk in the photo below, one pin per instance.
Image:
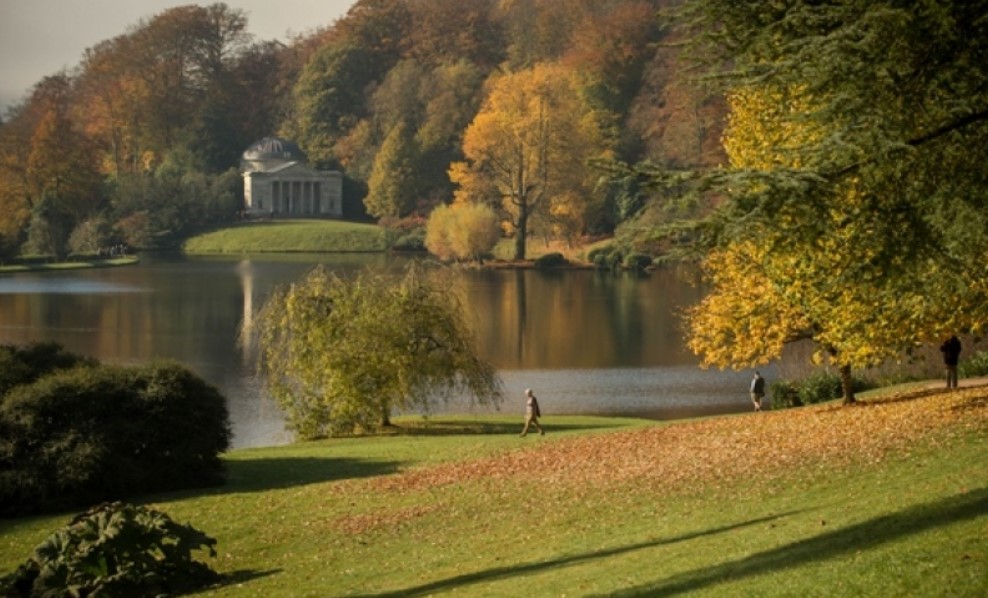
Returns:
(847, 384)
(385, 414)
(521, 231)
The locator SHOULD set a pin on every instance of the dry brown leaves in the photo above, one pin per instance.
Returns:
(691, 455)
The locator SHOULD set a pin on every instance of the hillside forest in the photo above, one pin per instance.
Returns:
(140, 142)
(822, 163)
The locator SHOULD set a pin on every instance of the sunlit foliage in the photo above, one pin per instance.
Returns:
(837, 205)
(463, 231)
(339, 355)
(529, 147)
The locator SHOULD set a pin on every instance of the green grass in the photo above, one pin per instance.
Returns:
(330, 518)
(290, 236)
(73, 265)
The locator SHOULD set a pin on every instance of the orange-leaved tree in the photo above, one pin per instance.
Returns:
(528, 147)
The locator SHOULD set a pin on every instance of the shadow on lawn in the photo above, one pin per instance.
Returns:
(255, 475)
(826, 546)
(507, 572)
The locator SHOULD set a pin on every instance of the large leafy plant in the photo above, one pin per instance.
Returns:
(115, 549)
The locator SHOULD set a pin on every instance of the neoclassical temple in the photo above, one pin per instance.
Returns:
(279, 183)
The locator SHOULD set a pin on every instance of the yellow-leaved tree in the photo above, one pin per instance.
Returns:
(823, 266)
(528, 148)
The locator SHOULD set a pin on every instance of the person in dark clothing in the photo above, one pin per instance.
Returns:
(951, 349)
(757, 391)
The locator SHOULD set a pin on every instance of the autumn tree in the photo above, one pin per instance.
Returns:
(340, 355)
(50, 179)
(391, 187)
(855, 196)
(462, 231)
(529, 147)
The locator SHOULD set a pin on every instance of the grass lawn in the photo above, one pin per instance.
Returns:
(887, 498)
(290, 236)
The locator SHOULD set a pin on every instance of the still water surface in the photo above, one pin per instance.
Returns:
(587, 342)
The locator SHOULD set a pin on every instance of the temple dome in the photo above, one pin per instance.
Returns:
(270, 152)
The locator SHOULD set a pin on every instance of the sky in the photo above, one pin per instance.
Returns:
(41, 37)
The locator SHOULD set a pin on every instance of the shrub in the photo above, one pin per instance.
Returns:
(462, 231)
(638, 262)
(606, 258)
(115, 550)
(784, 394)
(976, 366)
(413, 241)
(820, 387)
(551, 260)
(86, 435)
(23, 365)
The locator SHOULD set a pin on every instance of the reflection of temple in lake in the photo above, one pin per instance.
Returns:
(279, 182)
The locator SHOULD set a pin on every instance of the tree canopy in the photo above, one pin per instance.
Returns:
(385, 93)
(854, 203)
(528, 149)
(339, 355)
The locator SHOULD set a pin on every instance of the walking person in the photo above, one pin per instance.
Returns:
(532, 413)
(757, 390)
(951, 349)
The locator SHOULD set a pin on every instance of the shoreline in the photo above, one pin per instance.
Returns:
(113, 262)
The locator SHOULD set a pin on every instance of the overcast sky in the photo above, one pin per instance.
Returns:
(41, 37)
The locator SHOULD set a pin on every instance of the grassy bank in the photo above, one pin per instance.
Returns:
(75, 264)
(886, 498)
(311, 236)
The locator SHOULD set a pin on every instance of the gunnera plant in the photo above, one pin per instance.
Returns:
(115, 549)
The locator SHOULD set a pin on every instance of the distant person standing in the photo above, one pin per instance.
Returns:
(532, 413)
(951, 349)
(757, 390)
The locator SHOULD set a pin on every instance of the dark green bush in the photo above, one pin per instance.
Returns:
(606, 258)
(785, 394)
(976, 366)
(551, 260)
(638, 262)
(413, 241)
(23, 365)
(115, 550)
(820, 387)
(81, 436)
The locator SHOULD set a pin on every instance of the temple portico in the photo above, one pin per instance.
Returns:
(278, 182)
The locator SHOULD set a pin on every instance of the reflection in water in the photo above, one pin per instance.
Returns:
(589, 342)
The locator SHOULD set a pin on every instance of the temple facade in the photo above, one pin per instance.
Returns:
(278, 182)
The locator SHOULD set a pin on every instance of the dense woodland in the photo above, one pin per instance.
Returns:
(140, 143)
(823, 162)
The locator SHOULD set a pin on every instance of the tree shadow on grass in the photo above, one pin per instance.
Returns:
(259, 475)
(863, 536)
(508, 572)
(236, 578)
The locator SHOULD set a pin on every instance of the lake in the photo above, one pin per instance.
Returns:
(587, 342)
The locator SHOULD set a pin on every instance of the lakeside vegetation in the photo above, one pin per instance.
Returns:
(886, 497)
(75, 264)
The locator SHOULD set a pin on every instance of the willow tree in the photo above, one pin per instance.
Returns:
(854, 201)
(339, 355)
(528, 147)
